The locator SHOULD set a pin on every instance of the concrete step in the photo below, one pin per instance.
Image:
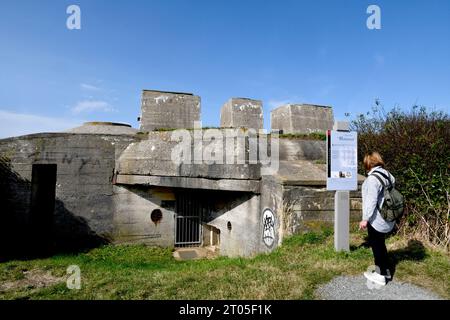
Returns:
(194, 253)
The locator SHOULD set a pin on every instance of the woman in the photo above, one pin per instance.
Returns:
(377, 227)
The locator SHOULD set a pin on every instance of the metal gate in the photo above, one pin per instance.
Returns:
(190, 210)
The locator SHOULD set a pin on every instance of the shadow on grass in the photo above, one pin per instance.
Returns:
(414, 251)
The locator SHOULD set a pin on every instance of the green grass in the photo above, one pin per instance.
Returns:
(305, 136)
(293, 271)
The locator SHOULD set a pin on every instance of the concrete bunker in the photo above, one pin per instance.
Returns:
(189, 217)
(117, 184)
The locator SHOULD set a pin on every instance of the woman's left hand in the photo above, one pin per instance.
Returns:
(363, 225)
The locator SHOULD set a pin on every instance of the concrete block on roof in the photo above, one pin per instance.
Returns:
(302, 118)
(242, 113)
(168, 110)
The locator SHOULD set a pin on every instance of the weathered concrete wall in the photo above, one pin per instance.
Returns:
(242, 113)
(15, 196)
(242, 212)
(306, 202)
(132, 222)
(85, 167)
(302, 118)
(191, 183)
(298, 149)
(271, 198)
(168, 110)
(306, 207)
(153, 156)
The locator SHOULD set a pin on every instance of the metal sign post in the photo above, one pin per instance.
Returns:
(342, 177)
(342, 221)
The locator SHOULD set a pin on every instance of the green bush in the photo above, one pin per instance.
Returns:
(415, 148)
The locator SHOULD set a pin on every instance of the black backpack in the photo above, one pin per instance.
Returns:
(393, 205)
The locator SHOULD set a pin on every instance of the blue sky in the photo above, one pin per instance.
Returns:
(319, 52)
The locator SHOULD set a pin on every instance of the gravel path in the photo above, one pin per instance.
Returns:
(357, 288)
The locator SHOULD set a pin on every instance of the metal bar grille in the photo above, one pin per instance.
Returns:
(188, 224)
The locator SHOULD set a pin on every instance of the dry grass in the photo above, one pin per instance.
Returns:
(293, 271)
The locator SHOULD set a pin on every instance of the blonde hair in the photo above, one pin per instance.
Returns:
(373, 159)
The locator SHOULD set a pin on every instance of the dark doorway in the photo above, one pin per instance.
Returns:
(42, 207)
(191, 208)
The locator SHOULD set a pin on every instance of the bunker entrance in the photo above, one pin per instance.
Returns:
(42, 206)
(191, 208)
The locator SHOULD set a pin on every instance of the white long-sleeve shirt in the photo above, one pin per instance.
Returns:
(371, 196)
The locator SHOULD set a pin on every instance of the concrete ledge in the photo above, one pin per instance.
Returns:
(320, 183)
(304, 173)
(191, 183)
(67, 135)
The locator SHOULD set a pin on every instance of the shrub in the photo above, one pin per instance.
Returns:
(415, 147)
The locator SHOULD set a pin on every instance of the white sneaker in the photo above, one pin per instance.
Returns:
(388, 275)
(375, 277)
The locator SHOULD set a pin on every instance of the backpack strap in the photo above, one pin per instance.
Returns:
(378, 178)
(382, 183)
(384, 176)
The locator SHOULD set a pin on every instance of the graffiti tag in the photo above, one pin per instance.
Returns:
(268, 227)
